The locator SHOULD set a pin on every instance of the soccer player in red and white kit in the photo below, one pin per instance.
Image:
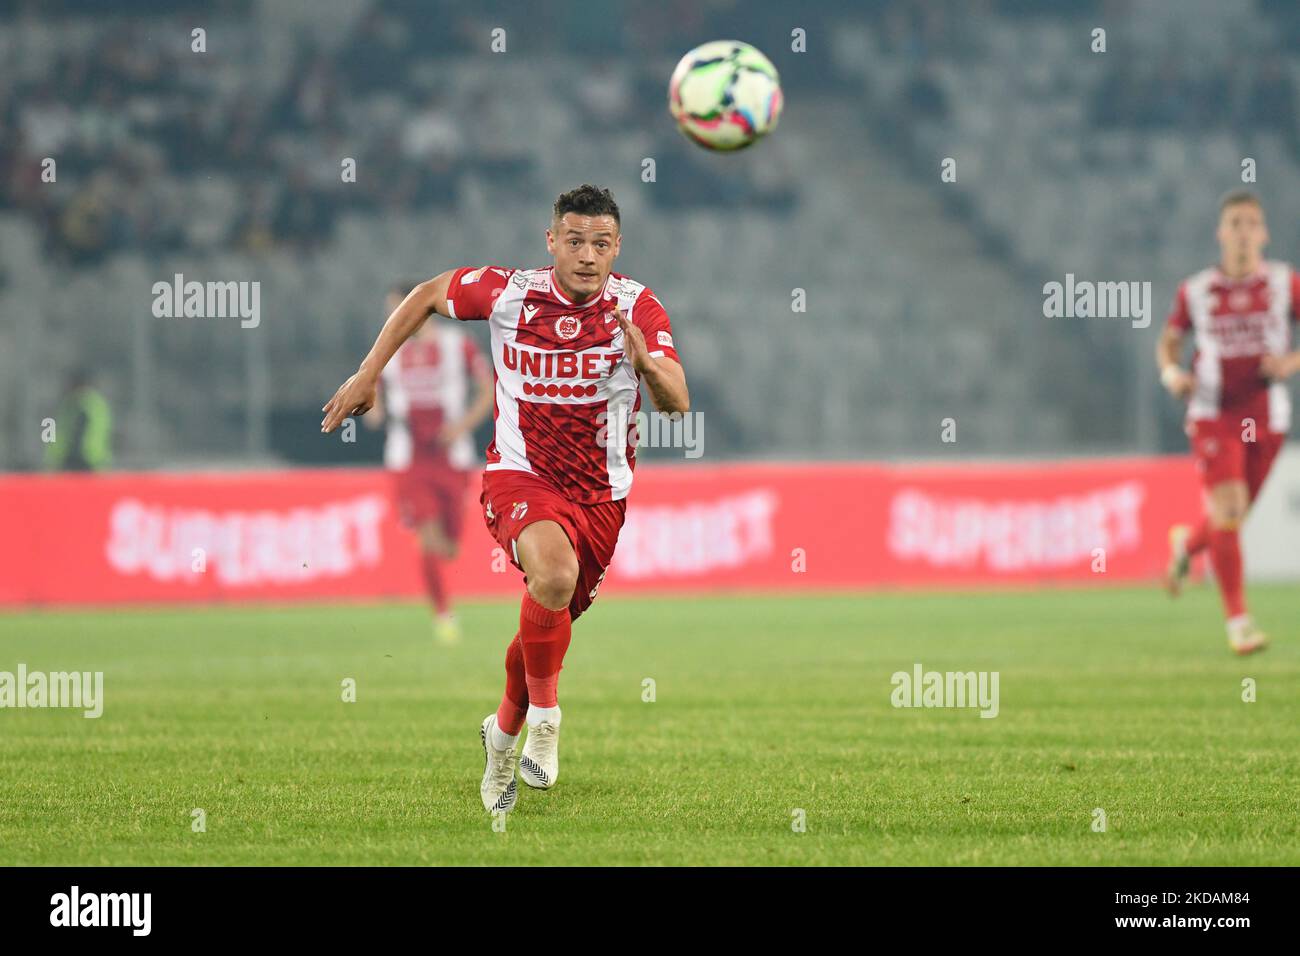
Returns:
(571, 343)
(428, 444)
(1238, 408)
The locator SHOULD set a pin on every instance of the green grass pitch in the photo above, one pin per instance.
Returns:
(764, 706)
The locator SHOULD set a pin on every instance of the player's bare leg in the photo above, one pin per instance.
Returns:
(1229, 502)
(545, 628)
(436, 548)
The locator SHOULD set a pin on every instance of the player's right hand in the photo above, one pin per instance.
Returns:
(1179, 382)
(354, 397)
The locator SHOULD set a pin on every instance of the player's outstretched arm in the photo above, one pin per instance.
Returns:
(665, 378)
(357, 395)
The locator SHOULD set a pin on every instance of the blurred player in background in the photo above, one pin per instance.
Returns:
(571, 344)
(429, 444)
(1238, 408)
(83, 427)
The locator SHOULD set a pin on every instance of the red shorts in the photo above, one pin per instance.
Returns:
(432, 493)
(1222, 453)
(512, 500)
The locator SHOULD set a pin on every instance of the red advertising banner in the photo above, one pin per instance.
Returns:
(323, 534)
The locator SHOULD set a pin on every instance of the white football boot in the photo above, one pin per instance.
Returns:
(498, 789)
(539, 767)
(1244, 637)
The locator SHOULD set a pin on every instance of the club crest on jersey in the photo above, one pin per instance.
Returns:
(567, 327)
(519, 510)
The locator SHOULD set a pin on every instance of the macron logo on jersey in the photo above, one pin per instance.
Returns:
(529, 312)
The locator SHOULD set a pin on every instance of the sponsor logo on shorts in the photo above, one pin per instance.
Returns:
(487, 510)
(519, 509)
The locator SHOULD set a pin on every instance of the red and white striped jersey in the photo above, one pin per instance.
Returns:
(425, 387)
(565, 391)
(1236, 322)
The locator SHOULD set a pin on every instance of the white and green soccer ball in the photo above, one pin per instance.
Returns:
(725, 94)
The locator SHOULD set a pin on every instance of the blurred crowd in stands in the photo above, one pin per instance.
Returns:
(162, 148)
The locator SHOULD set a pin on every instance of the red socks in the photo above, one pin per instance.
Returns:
(545, 636)
(514, 705)
(533, 662)
(432, 566)
(1225, 556)
(1199, 539)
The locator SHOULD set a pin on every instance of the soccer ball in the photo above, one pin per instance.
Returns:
(725, 94)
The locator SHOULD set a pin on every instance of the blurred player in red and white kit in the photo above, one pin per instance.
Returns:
(1238, 407)
(572, 343)
(428, 447)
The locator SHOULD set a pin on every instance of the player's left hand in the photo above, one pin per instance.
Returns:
(634, 346)
(356, 396)
(1277, 367)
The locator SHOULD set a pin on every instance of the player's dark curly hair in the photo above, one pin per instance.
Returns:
(588, 200)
